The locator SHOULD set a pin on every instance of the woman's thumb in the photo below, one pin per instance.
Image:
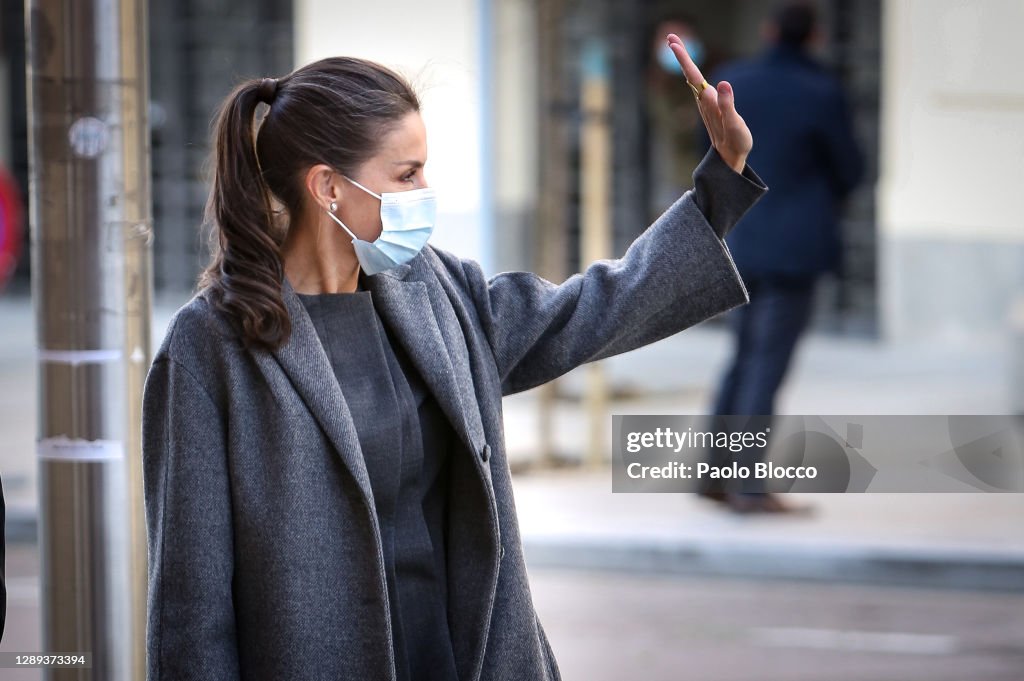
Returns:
(727, 103)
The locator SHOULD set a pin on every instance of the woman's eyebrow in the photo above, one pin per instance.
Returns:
(414, 164)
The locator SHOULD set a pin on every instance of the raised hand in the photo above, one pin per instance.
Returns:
(729, 133)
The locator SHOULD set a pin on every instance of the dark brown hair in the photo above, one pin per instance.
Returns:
(796, 22)
(334, 111)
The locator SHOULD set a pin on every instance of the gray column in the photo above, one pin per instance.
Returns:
(91, 236)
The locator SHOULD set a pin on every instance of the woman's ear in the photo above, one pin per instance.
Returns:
(321, 183)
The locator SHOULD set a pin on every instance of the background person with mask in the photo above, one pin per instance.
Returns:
(807, 154)
(673, 121)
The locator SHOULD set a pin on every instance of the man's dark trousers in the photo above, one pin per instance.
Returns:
(766, 333)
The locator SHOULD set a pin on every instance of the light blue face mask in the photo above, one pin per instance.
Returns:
(408, 221)
(667, 58)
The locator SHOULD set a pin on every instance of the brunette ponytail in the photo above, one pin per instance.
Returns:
(246, 273)
(334, 111)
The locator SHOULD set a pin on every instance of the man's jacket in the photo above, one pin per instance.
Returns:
(805, 150)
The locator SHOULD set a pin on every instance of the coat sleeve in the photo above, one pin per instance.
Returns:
(191, 622)
(677, 273)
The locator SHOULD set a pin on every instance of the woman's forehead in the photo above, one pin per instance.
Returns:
(407, 141)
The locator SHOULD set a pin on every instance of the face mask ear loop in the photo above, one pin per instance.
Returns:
(371, 193)
(342, 224)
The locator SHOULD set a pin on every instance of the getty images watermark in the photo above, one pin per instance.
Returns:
(688, 453)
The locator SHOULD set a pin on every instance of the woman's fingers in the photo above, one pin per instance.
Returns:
(717, 105)
(708, 106)
(727, 104)
(690, 69)
(707, 103)
(734, 128)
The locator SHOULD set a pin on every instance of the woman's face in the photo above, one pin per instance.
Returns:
(397, 167)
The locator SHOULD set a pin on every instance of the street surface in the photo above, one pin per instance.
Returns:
(607, 626)
(612, 626)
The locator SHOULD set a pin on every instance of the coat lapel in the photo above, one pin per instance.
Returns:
(425, 323)
(426, 326)
(426, 335)
(432, 339)
(305, 361)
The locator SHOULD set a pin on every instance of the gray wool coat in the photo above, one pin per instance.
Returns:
(265, 559)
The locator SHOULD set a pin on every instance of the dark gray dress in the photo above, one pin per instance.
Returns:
(405, 439)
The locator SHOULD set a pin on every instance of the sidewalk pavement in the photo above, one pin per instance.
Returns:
(570, 517)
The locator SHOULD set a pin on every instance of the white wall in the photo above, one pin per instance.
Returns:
(951, 187)
(516, 145)
(516, 113)
(437, 46)
(953, 118)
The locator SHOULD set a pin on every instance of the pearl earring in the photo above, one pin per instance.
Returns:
(334, 206)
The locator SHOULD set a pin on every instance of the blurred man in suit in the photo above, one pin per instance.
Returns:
(807, 155)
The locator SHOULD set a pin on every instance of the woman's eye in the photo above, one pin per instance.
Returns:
(408, 176)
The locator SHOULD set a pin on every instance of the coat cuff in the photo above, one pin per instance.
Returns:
(722, 194)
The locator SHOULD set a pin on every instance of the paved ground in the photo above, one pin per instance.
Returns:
(22, 632)
(607, 626)
(572, 519)
(611, 626)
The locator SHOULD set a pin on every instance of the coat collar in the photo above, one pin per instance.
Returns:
(429, 332)
(433, 341)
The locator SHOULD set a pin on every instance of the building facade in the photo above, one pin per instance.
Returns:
(935, 245)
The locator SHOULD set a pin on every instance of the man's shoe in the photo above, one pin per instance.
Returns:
(768, 502)
(717, 497)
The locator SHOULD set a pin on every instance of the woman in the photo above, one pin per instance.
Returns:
(327, 493)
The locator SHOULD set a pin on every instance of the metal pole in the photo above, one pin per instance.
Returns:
(551, 238)
(92, 287)
(596, 242)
